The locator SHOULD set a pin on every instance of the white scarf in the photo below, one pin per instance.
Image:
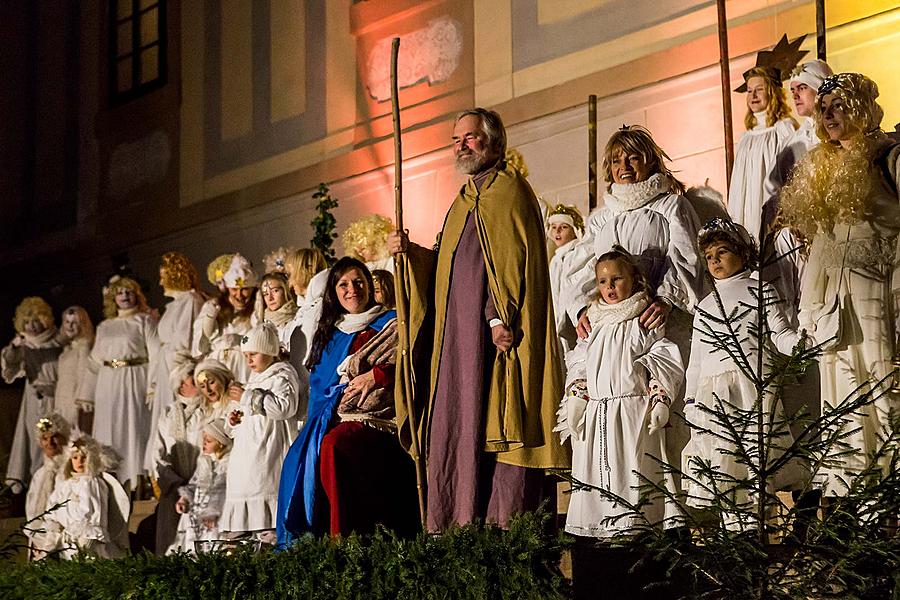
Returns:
(628, 196)
(356, 323)
(600, 313)
(126, 312)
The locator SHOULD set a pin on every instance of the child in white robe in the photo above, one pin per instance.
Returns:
(201, 500)
(53, 434)
(262, 421)
(616, 407)
(714, 372)
(80, 519)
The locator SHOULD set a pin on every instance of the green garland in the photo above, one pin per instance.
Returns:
(467, 562)
(324, 223)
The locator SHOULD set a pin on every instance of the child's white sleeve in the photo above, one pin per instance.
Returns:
(692, 375)
(783, 336)
(662, 359)
(92, 505)
(278, 402)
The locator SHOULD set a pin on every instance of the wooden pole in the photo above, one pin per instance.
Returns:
(725, 68)
(592, 152)
(820, 29)
(400, 264)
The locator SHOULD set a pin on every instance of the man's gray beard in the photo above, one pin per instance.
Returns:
(473, 163)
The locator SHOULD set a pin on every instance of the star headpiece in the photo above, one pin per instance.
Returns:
(779, 61)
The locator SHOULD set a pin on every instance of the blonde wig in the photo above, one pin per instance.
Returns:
(33, 307)
(777, 107)
(100, 458)
(87, 327)
(515, 160)
(116, 283)
(858, 95)
(367, 236)
(634, 139)
(178, 273)
(302, 265)
(831, 184)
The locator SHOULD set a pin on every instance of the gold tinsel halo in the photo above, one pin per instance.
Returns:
(570, 211)
(829, 185)
(515, 160)
(368, 234)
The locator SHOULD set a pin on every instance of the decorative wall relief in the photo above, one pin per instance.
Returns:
(431, 54)
(138, 163)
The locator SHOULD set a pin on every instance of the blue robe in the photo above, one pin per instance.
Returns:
(299, 474)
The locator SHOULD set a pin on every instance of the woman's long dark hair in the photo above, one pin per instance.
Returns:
(331, 306)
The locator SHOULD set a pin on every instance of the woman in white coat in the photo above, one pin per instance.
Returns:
(126, 342)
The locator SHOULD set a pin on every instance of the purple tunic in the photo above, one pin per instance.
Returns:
(465, 483)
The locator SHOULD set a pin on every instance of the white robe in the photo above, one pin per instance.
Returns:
(221, 343)
(261, 440)
(77, 380)
(206, 495)
(854, 271)
(754, 160)
(37, 400)
(175, 333)
(80, 523)
(712, 374)
(121, 414)
(612, 443)
(39, 491)
(565, 331)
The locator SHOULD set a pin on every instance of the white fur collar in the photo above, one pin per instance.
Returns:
(356, 323)
(600, 313)
(628, 196)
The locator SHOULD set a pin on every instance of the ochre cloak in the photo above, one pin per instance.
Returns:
(526, 383)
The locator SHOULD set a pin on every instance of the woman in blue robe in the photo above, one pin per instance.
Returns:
(350, 317)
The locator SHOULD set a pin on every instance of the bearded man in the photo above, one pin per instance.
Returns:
(494, 381)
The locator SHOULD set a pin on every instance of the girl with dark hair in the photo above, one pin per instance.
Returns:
(347, 449)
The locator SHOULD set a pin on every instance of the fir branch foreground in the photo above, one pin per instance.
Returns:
(467, 562)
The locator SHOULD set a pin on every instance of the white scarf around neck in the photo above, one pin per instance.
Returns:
(356, 323)
(600, 313)
(41, 339)
(628, 196)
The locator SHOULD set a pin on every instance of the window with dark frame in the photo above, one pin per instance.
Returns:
(137, 48)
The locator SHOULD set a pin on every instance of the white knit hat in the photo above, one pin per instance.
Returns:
(240, 274)
(812, 73)
(215, 428)
(263, 339)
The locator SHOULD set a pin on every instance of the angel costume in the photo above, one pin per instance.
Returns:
(712, 373)
(221, 341)
(611, 446)
(36, 359)
(564, 328)
(175, 334)
(39, 491)
(261, 439)
(77, 380)
(83, 523)
(754, 160)
(206, 495)
(124, 346)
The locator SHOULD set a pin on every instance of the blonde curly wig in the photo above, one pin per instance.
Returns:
(178, 274)
(110, 308)
(32, 307)
(515, 159)
(858, 95)
(831, 184)
(366, 239)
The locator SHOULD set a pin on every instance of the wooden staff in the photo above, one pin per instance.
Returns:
(820, 29)
(592, 152)
(725, 68)
(400, 265)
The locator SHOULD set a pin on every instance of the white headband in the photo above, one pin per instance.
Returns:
(563, 218)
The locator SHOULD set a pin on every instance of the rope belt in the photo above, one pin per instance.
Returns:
(116, 363)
